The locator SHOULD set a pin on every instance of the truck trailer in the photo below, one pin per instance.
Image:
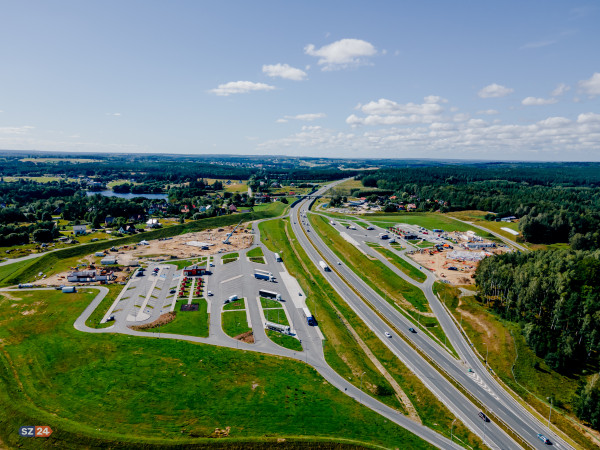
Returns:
(269, 294)
(263, 275)
(324, 266)
(309, 317)
(278, 257)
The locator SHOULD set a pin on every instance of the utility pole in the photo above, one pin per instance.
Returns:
(452, 429)
(550, 413)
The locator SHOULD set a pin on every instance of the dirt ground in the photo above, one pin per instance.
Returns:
(164, 249)
(438, 264)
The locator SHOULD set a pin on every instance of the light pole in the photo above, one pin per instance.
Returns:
(452, 429)
(486, 353)
(550, 413)
(360, 393)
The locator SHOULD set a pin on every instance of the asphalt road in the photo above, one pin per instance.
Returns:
(480, 384)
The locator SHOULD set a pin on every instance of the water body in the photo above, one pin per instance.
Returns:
(129, 195)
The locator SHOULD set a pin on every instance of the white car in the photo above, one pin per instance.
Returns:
(388, 334)
(209, 293)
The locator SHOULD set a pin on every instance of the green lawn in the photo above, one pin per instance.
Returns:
(230, 257)
(284, 340)
(258, 260)
(94, 320)
(255, 252)
(276, 316)
(240, 303)
(403, 265)
(115, 391)
(268, 303)
(190, 323)
(235, 323)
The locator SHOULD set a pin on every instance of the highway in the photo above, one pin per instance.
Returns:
(480, 384)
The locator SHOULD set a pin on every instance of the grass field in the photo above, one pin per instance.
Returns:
(477, 217)
(190, 323)
(276, 316)
(268, 303)
(230, 257)
(284, 340)
(94, 320)
(255, 252)
(403, 265)
(534, 379)
(115, 391)
(238, 304)
(342, 351)
(235, 323)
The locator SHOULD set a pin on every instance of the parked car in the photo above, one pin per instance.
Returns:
(172, 291)
(209, 293)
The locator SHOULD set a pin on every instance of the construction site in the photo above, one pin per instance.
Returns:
(115, 264)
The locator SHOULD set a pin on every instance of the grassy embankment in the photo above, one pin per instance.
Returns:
(61, 260)
(342, 351)
(534, 379)
(382, 280)
(400, 263)
(170, 393)
(256, 255)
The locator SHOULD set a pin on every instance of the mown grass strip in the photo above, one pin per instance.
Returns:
(400, 263)
(94, 320)
(235, 323)
(284, 340)
(189, 323)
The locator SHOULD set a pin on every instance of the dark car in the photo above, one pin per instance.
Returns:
(544, 439)
(412, 330)
(172, 291)
(483, 417)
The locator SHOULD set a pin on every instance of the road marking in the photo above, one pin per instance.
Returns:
(231, 279)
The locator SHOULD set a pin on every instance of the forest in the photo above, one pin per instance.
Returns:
(555, 202)
(555, 297)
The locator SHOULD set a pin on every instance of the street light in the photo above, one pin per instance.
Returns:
(550, 413)
(452, 429)
(486, 352)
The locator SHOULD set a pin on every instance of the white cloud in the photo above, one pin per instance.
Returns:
(488, 112)
(592, 86)
(303, 117)
(538, 44)
(588, 118)
(494, 90)
(342, 54)
(240, 87)
(284, 71)
(535, 101)
(16, 130)
(113, 114)
(560, 90)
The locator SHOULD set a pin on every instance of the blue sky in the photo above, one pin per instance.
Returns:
(398, 79)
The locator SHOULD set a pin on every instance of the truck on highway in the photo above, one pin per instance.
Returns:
(324, 266)
(309, 317)
(269, 294)
(263, 275)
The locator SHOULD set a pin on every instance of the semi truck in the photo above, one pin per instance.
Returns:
(309, 317)
(269, 294)
(324, 266)
(263, 275)
(277, 257)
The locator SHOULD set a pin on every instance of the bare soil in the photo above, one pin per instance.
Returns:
(247, 337)
(163, 319)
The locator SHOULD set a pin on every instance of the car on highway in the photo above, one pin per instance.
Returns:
(483, 416)
(544, 439)
(388, 334)
(412, 330)
(339, 263)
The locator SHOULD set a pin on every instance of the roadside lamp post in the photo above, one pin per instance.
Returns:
(452, 429)
(550, 413)
(486, 353)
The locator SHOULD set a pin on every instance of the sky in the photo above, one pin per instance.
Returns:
(510, 80)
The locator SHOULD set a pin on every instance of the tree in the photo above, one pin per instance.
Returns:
(42, 235)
